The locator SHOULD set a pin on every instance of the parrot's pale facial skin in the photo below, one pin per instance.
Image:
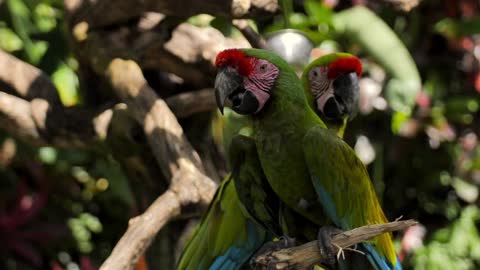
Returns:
(320, 86)
(334, 87)
(245, 82)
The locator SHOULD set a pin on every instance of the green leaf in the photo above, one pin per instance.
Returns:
(364, 27)
(200, 20)
(223, 25)
(35, 50)
(47, 155)
(458, 28)
(9, 42)
(66, 81)
(298, 21)
(453, 247)
(18, 8)
(23, 26)
(91, 222)
(287, 9)
(398, 119)
(45, 17)
(460, 109)
(318, 12)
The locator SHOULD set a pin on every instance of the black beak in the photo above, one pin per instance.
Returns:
(229, 85)
(345, 99)
(226, 83)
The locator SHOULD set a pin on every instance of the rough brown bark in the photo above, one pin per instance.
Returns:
(37, 106)
(174, 155)
(104, 12)
(16, 118)
(26, 80)
(189, 52)
(308, 255)
(405, 5)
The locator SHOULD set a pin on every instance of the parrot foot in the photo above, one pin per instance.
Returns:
(325, 245)
(272, 246)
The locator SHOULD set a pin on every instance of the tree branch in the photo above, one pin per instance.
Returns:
(187, 104)
(405, 5)
(28, 81)
(174, 154)
(39, 118)
(307, 255)
(16, 118)
(254, 38)
(163, 132)
(141, 231)
(104, 12)
(189, 52)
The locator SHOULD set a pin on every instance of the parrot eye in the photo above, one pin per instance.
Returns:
(315, 73)
(263, 67)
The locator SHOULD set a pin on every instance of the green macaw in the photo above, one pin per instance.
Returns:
(335, 100)
(313, 172)
(257, 202)
(234, 228)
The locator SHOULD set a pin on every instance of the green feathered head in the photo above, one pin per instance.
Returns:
(248, 79)
(331, 85)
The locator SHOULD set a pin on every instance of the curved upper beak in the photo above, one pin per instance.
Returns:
(347, 93)
(227, 81)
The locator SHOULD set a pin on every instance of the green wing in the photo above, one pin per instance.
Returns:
(226, 236)
(344, 187)
(253, 189)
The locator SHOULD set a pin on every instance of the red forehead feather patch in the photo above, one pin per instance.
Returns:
(236, 59)
(343, 65)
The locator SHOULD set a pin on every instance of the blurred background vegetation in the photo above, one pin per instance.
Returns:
(417, 131)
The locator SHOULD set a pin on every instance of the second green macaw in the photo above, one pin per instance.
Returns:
(314, 173)
(333, 97)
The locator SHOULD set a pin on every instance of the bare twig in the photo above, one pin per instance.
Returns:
(405, 5)
(253, 37)
(176, 157)
(186, 104)
(141, 231)
(307, 255)
(28, 81)
(16, 118)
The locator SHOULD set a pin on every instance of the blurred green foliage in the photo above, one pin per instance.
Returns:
(34, 31)
(453, 247)
(87, 189)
